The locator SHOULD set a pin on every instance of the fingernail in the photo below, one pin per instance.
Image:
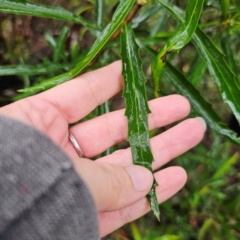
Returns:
(203, 122)
(141, 177)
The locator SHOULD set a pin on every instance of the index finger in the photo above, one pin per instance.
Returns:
(78, 97)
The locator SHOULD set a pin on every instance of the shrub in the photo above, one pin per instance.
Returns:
(197, 58)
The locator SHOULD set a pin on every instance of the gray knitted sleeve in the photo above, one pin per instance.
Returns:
(41, 197)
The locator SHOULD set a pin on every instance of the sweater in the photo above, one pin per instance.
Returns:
(41, 196)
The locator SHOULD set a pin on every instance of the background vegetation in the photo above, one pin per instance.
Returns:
(33, 49)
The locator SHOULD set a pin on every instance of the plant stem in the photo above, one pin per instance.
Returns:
(128, 19)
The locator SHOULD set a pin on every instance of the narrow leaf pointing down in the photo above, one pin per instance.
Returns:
(137, 109)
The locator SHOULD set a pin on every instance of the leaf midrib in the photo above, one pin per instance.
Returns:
(190, 20)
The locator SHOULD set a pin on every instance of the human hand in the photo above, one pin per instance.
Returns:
(118, 187)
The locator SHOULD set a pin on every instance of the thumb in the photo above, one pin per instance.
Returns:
(114, 186)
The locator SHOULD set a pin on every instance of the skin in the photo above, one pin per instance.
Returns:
(117, 186)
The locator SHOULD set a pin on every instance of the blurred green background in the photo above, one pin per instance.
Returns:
(208, 207)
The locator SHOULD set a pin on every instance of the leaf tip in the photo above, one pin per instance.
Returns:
(156, 213)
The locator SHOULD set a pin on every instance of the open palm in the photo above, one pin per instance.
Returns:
(52, 111)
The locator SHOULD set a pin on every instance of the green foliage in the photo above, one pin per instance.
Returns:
(208, 207)
(31, 70)
(33, 9)
(58, 49)
(119, 16)
(99, 12)
(137, 109)
(225, 4)
(217, 66)
(201, 107)
(178, 40)
(205, 70)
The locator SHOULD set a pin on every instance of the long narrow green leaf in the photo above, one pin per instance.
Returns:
(25, 77)
(154, 40)
(50, 41)
(201, 107)
(38, 10)
(178, 40)
(227, 51)
(160, 24)
(203, 230)
(135, 232)
(137, 109)
(225, 5)
(99, 12)
(103, 109)
(145, 14)
(226, 166)
(118, 17)
(217, 66)
(196, 73)
(60, 44)
(31, 70)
